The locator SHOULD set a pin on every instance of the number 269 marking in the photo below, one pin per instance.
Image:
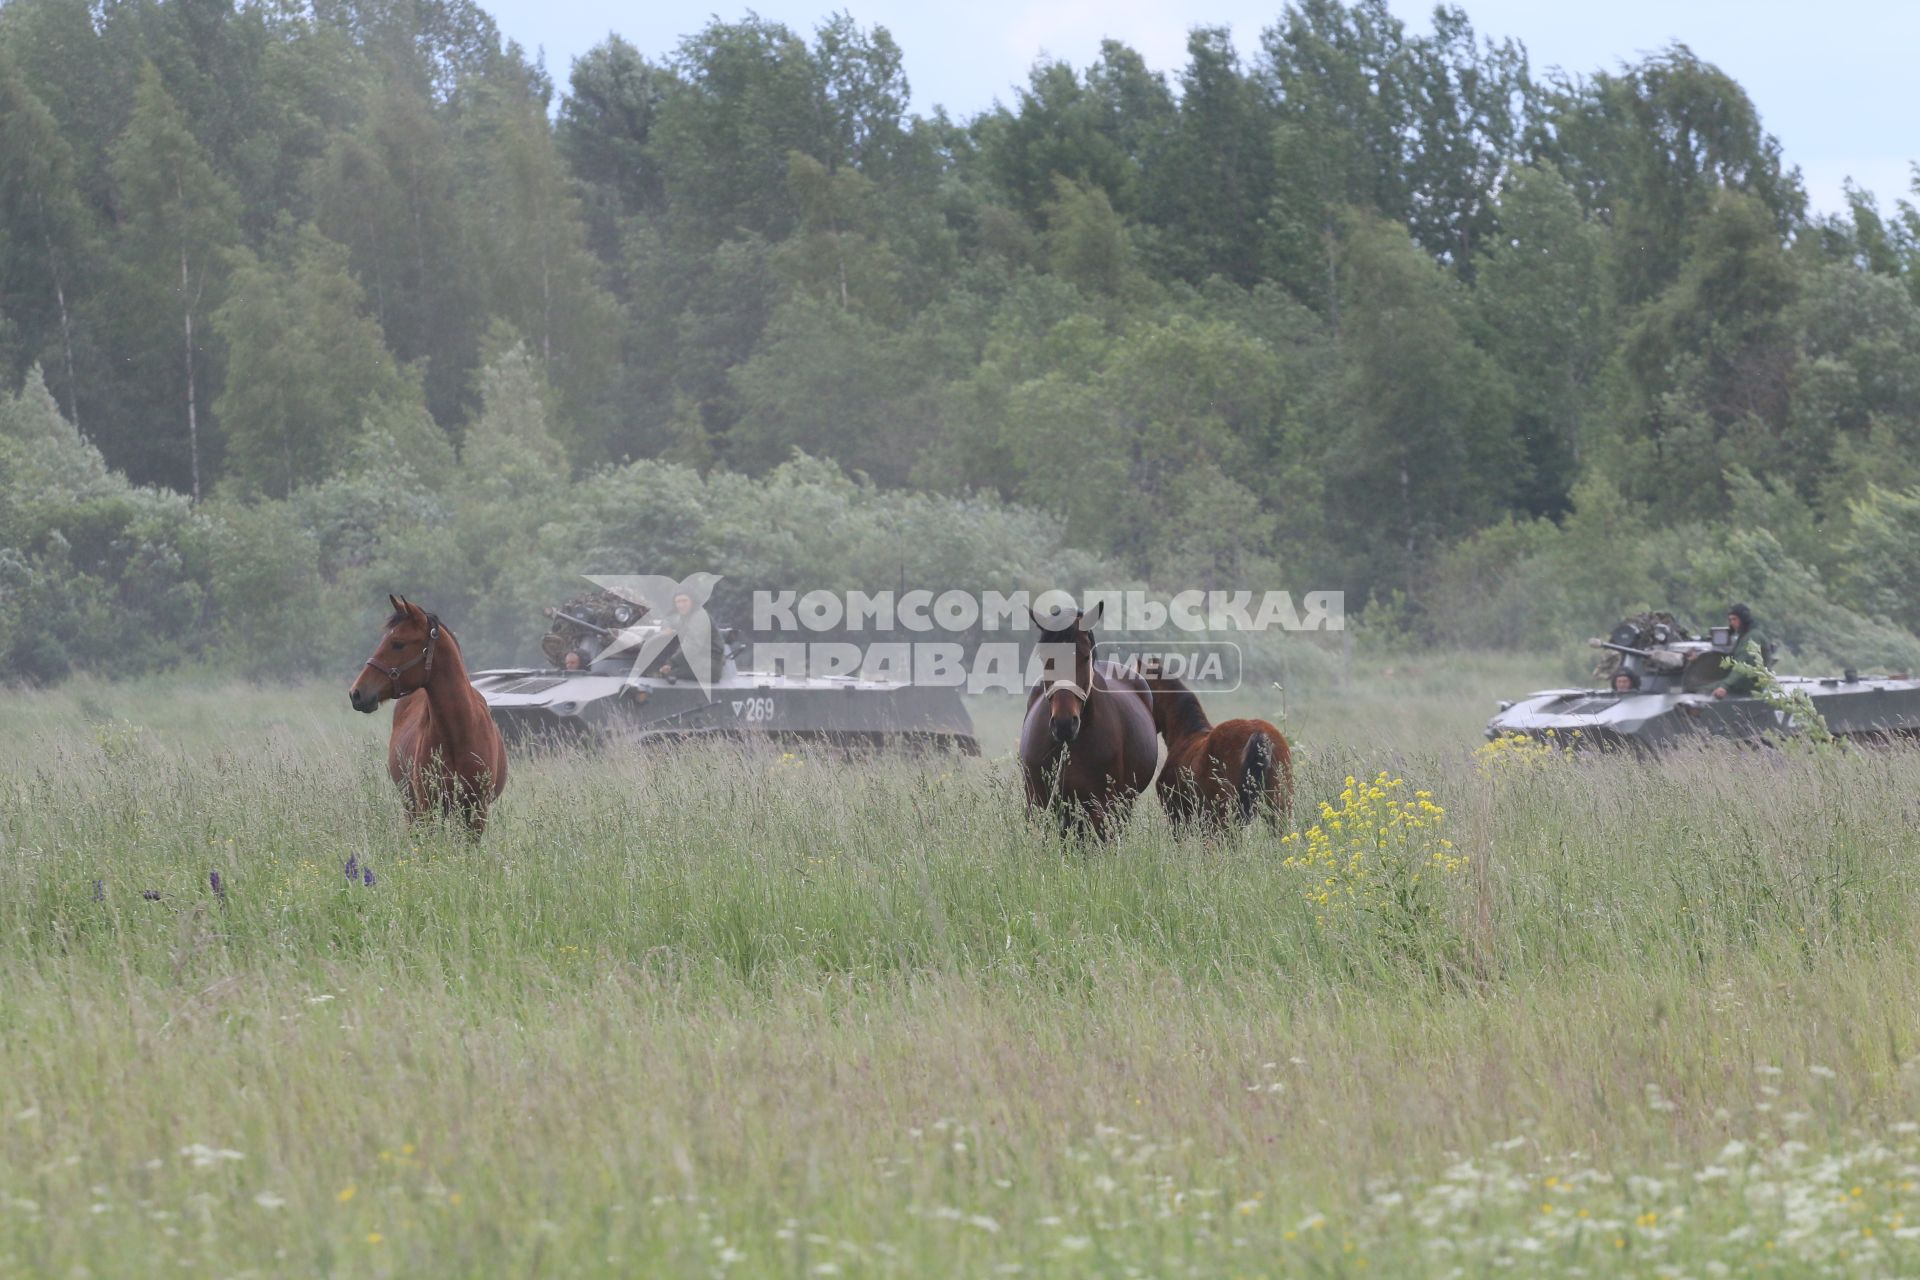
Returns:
(753, 710)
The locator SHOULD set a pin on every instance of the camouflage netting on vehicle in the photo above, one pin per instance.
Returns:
(1637, 632)
(582, 624)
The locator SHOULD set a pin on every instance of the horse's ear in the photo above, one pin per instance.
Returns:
(394, 601)
(1088, 621)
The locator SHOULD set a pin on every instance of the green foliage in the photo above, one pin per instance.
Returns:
(1541, 290)
(510, 450)
(1428, 445)
(605, 125)
(307, 366)
(1214, 174)
(94, 573)
(390, 189)
(1654, 147)
(1797, 706)
(1086, 241)
(1092, 131)
(1794, 603)
(176, 217)
(830, 382)
(266, 591)
(47, 238)
(1881, 554)
(1373, 308)
(530, 251)
(751, 93)
(1707, 366)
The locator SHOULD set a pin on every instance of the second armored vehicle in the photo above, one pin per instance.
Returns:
(1666, 698)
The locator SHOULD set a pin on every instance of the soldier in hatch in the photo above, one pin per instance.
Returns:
(691, 630)
(1748, 647)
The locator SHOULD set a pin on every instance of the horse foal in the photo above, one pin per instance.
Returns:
(1217, 775)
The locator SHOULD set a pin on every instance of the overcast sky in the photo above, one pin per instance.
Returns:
(1828, 78)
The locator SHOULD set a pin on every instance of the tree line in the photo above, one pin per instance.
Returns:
(1371, 308)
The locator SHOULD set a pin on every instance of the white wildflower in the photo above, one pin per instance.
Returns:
(202, 1156)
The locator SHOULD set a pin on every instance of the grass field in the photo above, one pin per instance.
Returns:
(742, 1014)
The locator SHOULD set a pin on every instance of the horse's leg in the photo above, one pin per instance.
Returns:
(476, 791)
(413, 794)
(1107, 815)
(1073, 819)
(1079, 818)
(1180, 796)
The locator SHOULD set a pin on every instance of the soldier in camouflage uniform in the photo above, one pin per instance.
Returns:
(1749, 647)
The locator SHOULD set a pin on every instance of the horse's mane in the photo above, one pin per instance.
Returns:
(1182, 712)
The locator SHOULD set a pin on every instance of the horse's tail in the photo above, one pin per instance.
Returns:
(1256, 766)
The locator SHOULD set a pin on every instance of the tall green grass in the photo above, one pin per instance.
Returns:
(747, 1013)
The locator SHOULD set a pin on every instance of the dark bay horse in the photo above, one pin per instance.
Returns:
(1217, 774)
(445, 751)
(1087, 747)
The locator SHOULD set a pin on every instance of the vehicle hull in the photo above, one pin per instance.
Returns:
(533, 704)
(1870, 708)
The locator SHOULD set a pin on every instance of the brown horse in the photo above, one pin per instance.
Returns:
(445, 751)
(1217, 774)
(1087, 746)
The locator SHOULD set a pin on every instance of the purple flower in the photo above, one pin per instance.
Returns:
(151, 895)
(219, 889)
(99, 890)
(368, 874)
(353, 867)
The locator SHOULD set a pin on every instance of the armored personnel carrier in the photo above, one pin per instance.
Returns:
(591, 690)
(1666, 697)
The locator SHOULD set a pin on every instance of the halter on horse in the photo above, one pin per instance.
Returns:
(425, 656)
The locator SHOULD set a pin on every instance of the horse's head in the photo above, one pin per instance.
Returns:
(403, 659)
(1065, 688)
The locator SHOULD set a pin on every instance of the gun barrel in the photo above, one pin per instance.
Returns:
(594, 627)
(1621, 648)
